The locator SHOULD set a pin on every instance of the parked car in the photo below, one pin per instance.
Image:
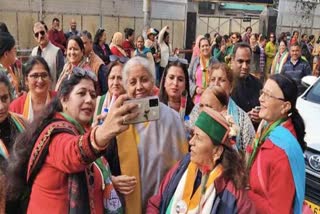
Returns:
(308, 105)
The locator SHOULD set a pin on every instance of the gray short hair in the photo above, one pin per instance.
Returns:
(137, 60)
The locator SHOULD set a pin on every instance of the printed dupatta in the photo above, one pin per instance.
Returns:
(280, 61)
(67, 69)
(204, 66)
(111, 200)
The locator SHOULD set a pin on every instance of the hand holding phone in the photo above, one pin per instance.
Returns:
(148, 108)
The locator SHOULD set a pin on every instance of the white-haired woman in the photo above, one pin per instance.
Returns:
(141, 156)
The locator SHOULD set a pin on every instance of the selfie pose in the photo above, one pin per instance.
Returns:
(56, 165)
(140, 156)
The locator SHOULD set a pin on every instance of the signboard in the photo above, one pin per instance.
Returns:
(246, 19)
(247, 1)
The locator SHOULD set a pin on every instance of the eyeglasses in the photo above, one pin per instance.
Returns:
(114, 58)
(80, 72)
(36, 76)
(42, 32)
(177, 59)
(233, 37)
(267, 95)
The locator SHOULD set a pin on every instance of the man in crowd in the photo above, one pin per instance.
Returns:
(296, 67)
(96, 64)
(52, 54)
(73, 29)
(56, 36)
(246, 91)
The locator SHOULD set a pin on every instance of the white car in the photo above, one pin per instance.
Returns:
(308, 105)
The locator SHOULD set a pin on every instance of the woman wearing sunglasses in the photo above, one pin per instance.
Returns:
(75, 58)
(58, 159)
(275, 160)
(174, 87)
(38, 81)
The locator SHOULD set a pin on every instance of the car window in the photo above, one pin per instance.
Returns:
(313, 94)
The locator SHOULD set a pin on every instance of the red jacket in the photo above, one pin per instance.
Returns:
(58, 39)
(275, 173)
(115, 51)
(50, 188)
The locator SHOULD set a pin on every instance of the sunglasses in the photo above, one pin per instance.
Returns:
(40, 32)
(177, 59)
(114, 58)
(80, 72)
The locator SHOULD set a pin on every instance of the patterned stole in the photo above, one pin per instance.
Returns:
(190, 201)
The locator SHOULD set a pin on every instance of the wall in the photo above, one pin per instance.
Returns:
(298, 15)
(113, 15)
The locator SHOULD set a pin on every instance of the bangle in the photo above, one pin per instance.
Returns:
(93, 140)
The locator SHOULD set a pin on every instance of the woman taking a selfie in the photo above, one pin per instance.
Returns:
(57, 162)
(140, 156)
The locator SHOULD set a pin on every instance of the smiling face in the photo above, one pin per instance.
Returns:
(204, 47)
(80, 104)
(282, 47)
(139, 82)
(271, 101)
(74, 52)
(4, 101)
(38, 80)
(115, 81)
(175, 82)
(295, 52)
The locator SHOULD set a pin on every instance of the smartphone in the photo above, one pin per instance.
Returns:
(148, 108)
(257, 108)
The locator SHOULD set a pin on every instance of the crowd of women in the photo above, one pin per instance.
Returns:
(71, 150)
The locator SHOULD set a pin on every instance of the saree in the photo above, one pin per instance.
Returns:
(147, 151)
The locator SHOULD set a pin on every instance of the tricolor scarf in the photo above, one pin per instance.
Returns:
(196, 202)
(280, 61)
(27, 107)
(20, 126)
(204, 66)
(111, 200)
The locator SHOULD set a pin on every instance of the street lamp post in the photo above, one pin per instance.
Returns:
(147, 16)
